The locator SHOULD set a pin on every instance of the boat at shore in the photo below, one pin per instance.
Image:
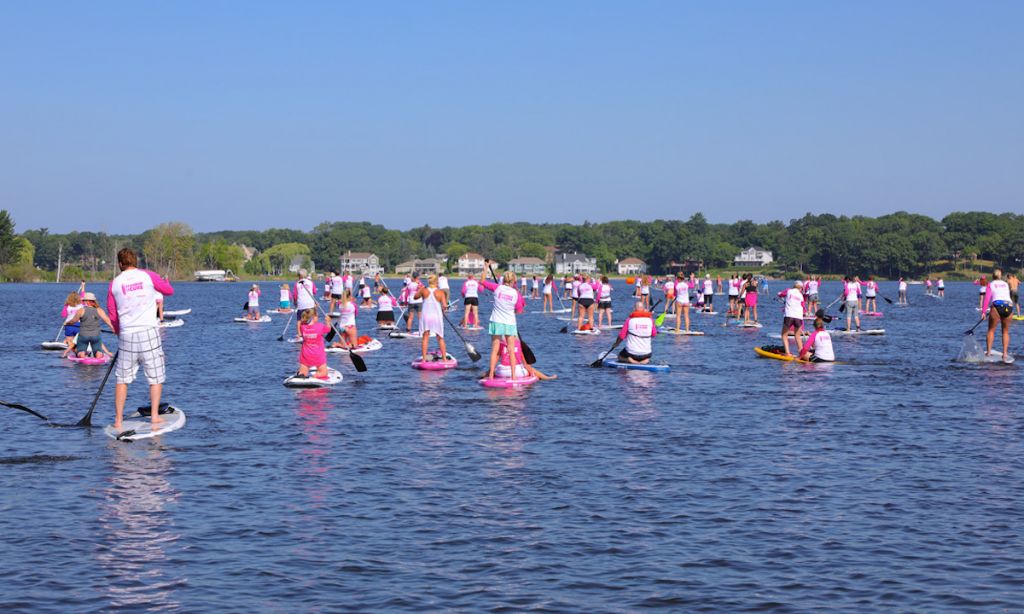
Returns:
(215, 275)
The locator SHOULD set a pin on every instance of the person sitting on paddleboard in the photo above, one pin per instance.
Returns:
(312, 355)
(254, 303)
(818, 347)
(997, 306)
(347, 312)
(524, 368)
(432, 318)
(88, 318)
(471, 300)
(72, 305)
(385, 307)
(793, 315)
(851, 296)
(502, 327)
(637, 331)
(284, 301)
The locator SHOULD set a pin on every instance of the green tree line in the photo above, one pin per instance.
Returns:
(891, 245)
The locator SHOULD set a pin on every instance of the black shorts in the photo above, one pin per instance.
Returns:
(625, 356)
(336, 297)
(788, 323)
(471, 300)
(586, 302)
(604, 304)
(415, 307)
(1015, 298)
(385, 316)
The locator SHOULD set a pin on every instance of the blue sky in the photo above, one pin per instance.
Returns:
(238, 115)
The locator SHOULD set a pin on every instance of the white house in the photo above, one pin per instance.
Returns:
(301, 262)
(570, 264)
(753, 257)
(632, 266)
(527, 265)
(363, 263)
(470, 263)
(426, 266)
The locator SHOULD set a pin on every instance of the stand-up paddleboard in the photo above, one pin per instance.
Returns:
(100, 359)
(386, 326)
(507, 382)
(742, 324)
(708, 313)
(615, 363)
(141, 427)
(174, 313)
(610, 327)
(172, 323)
(263, 320)
(554, 311)
(472, 329)
(994, 358)
(370, 346)
(589, 332)
(436, 363)
(294, 339)
(842, 332)
(280, 311)
(397, 334)
(311, 381)
(773, 352)
(871, 314)
(54, 345)
(1017, 317)
(335, 314)
(564, 319)
(684, 333)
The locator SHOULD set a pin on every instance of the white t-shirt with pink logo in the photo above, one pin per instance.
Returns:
(132, 298)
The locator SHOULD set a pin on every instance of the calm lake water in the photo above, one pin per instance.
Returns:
(894, 483)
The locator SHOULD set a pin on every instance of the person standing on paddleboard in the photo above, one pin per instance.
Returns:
(585, 292)
(997, 305)
(337, 284)
(131, 303)
(870, 293)
(819, 345)
(750, 299)
(1014, 284)
(502, 327)
(637, 331)
(254, 303)
(709, 293)
(414, 302)
(851, 296)
(982, 288)
(792, 315)
(549, 291)
(902, 292)
(604, 302)
(432, 318)
(941, 286)
(385, 308)
(471, 301)
(682, 306)
(284, 299)
(303, 296)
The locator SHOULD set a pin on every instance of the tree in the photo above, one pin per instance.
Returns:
(10, 246)
(168, 249)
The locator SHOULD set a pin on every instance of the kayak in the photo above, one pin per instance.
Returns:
(434, 364)
(616, 364)
(263, 319)
(141, 427)
(172, 324)
(102, 359)
(311, 381)
(54, 345)
(370, 346)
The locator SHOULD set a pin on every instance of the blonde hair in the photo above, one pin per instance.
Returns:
(432, 280)
(307, 316)
(509, 278)
(74, 299)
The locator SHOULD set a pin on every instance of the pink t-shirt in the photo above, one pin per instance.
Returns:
(312, 353)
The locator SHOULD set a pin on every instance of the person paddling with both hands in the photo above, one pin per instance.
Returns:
(502, 327)
(131, 303)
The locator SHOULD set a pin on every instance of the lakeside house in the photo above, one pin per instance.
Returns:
(685, 267)
(753, 257)
(364, 263)
(631, 266)
(571, 264)
(426, 266)
(301, 261)
(527, 265)
(470, 263)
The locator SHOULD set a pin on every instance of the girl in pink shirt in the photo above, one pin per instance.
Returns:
(312, 355)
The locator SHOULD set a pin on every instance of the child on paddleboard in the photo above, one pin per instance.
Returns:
(72, 306)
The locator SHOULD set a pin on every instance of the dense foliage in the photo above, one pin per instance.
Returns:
(896, 244)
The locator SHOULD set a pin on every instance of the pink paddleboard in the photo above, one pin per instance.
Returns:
(435, 365)
(874, 314)
(90, 360)
(504, 382)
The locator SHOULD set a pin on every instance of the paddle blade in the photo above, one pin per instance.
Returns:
(473, 354)
(842, 308)
(25, 409)
(330, 335)
(887, 299)
(527, 352)
(658, 321)
(245, 306)
(564, 329)
(357, 362)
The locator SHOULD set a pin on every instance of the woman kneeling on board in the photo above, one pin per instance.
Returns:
(637, 331)
(819, 346)
(997, 306)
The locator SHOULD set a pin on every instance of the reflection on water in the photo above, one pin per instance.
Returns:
(138, 529)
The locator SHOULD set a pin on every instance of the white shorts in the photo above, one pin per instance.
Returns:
(143, 346)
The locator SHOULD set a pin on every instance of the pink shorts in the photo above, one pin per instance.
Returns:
(750, 300)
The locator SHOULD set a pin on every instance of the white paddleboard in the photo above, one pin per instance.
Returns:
(54, 345)
(849, 333)
(395, 334)
(686, 333)
(140, 426)
(333, 377)
(372, 346)
(588, 333)
(263, 320)
(173, 313)
(172, 323)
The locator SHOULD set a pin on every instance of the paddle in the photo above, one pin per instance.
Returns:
(357, 360)
(600, 361)
(971, 332)
(245, 306)
(286, 324)
(26, 409)
(473, 354)
(87, 418)
(527, 352)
